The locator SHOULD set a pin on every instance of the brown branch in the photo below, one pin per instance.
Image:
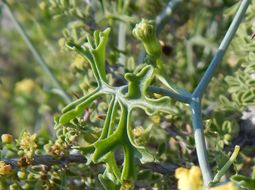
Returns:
(48, 160)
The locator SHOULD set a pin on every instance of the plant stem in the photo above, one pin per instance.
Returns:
(36, 54)
(47, 160)
(122, 41)
(224, 169)
(200, 142)
(165, 14)
(185, 98)
(200, 89)
(198, 92)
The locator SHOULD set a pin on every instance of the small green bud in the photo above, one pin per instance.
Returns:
(73, 138)
(145, 32)
(26, 186)
(21, 153)
(13, 186)
(227, 138)
(43, 6)
(31, 176)
(21, 175)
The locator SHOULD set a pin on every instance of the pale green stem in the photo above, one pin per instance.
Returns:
(200, 89)
(200, 142)
(224, 169)
(185, 98)
(122, 41)
(162, 18)
(36, 55)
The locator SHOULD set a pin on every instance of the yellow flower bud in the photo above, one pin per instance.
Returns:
(5, 169)
(28, 143)
(79, 63)
(138, 131)
(155, 119)
(6, 138)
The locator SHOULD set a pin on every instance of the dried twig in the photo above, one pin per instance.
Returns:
(47, 160)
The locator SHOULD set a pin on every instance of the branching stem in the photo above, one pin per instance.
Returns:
(201, 87)
(194, 99)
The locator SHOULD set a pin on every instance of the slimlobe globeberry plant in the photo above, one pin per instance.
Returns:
(140, 91)
(135, 95)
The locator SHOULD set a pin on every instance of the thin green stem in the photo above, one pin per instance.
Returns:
(185, 98)
(224, 169)
(37, 55)
(121, 91)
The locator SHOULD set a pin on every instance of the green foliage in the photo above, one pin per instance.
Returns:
(122, 114)
(243, 181)
(127, 98)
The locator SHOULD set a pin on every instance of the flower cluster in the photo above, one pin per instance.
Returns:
(28, 144)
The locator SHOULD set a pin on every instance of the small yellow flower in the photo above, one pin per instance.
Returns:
(6, 138)
(25, 86)
(28, 144)
(79, 63)
(5, 169)
(138, 131)
(189, 179)
(127, 185)
(228, 186)
(155, 119)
